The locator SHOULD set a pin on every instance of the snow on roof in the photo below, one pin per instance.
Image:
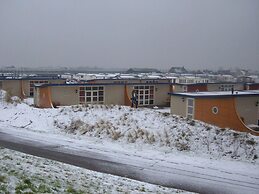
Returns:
(127, 76)
(154, 76)
(218, 93)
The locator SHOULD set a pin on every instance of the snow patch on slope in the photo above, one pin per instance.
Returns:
(141, 127)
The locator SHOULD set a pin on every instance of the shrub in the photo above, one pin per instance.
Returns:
(131, 138)
(165, 114)
(116, 135)
(75, 125)
(182, 146)
(192, 122)
(8, 97)
(251, 142)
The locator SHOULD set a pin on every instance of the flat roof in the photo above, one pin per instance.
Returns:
(210, 83)
(100, 84)
(252, 84)
(130, 79)
(31, 78)
(217, 93)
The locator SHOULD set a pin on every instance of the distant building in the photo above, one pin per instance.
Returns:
(150, 92)
(224, 78)
(178, 70)
(142, 70)
(208, 87)
(237, 110)
(192, 80)
(24, 86)
(252, 86)
(246, 79)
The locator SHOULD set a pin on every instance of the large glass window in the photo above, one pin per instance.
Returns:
(145, 95)
(91, 95)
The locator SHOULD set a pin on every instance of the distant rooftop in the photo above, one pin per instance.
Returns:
(178, 70)
(142, 70)
(30, 77)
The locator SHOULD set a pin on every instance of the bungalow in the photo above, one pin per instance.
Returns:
(237, 110)
(252, 86)
(24, 86)
(119, 92)
(209, 87)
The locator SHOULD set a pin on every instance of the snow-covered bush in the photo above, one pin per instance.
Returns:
(146, 126)
(8, 98)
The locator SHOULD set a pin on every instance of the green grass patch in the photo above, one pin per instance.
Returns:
(71, 190)
(3, 189)
(25, 185)
(44, 189)
(2, 179)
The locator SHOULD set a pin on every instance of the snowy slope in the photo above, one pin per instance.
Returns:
(137, 128)
(22, 173)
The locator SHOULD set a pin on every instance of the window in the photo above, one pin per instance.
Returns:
(226, 87)
(145, 95)
(91, 95)
(190, 107)
(190, 102)
(215, 110)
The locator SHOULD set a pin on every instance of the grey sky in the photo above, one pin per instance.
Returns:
(130, 33)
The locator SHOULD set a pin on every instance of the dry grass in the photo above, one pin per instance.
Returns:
(126, 127)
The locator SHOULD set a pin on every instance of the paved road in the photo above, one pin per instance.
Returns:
(170, 173)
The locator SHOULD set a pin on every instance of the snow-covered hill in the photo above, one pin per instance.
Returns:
(142, 128)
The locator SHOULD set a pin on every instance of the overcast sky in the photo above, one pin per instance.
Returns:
(130, 33)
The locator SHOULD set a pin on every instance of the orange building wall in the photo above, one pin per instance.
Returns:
(44, 98)
(197, 87)
(22, 89)
(127, 96)
(227, 116)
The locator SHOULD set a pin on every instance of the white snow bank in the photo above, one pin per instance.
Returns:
(139, 127)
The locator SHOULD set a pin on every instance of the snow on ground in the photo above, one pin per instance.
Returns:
(143, 128)
(118, 129)
(23, 173)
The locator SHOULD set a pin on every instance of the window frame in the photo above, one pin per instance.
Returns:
(145, 94)
(190, 106)
(91, 94)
